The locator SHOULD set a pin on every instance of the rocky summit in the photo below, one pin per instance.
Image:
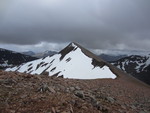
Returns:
(25, 93)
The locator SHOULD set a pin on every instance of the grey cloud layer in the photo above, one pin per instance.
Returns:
(94, 23)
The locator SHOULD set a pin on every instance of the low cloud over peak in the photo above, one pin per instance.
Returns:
(93, 23)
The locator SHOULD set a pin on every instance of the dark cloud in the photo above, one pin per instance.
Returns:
(93, 23)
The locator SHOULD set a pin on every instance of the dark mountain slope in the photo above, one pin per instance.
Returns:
(137, 66)
(10, 58)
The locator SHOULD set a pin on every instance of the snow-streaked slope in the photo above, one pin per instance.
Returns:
(71, 64)
(137, 66)
(139, 63)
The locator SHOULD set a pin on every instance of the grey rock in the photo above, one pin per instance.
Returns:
(45, 87)
(80, 94)
(67, 90)
(123, 106)
(93, 99)
(72, 88)
(110, 99)
(8, 81)
(24, 96)
(120, 111)
(51, 90)
(98, 105)
(133, 107)
(77, 88)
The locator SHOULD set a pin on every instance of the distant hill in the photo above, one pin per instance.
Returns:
(30, 53)
(10, 58)
(41, 54)
(115, 52)
(110, 58)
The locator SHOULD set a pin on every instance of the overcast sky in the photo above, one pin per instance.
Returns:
(40, 25)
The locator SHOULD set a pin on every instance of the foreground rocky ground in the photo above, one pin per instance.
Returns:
(25, 93)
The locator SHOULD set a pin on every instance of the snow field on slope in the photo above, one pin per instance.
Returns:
(80, 67)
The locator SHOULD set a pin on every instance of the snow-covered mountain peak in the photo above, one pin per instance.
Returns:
(71, 47)
(73, 61)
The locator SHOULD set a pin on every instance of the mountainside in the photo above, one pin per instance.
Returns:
(10, 58)
(138, 66)
(72, 62)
